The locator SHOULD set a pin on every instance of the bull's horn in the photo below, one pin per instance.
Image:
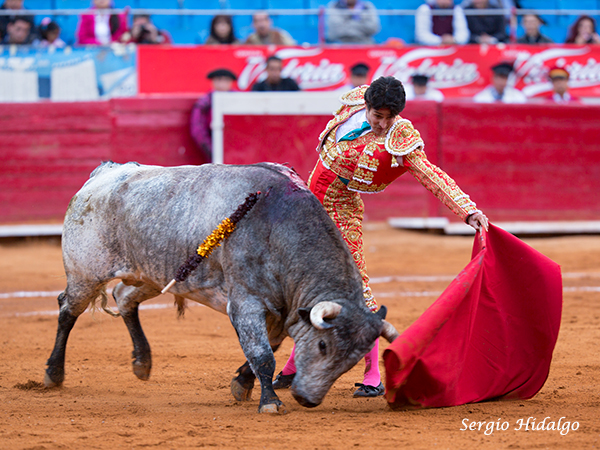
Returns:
(324, 310)
(388, 332)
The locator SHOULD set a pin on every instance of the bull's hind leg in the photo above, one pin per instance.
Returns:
(251, 329)
(72, 303)
(242, 385)
(128, 299)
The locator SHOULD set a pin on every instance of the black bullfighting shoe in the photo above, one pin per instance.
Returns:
(283, 381)
(364, 390)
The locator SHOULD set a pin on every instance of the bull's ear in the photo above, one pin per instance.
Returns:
(382, 312)
(305, 314)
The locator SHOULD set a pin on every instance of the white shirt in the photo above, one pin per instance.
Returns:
(424, 26)
(355, 121)
(511, 95)
(430, 94)
(102, 28)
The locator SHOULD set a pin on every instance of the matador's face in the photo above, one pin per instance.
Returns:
(380, 120)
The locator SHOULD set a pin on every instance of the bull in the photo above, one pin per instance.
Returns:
(285, 271)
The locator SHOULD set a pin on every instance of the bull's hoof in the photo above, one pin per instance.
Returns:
(141, 370)
(239, 392)
(273, 408)
(50, 383)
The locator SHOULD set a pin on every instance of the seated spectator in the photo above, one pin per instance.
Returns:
(583, 31)
(222, 81)
(560, 87)
(49, 35)
(499, 91)
(441, 30)
(18, 31)
(102, 28)
(531, 24)
(221, 31)
(485, 29)
(4, 20)
(358, 76)
(143, 31)
(420, 90)
(265, 34)
(273, 81)
(352, 22)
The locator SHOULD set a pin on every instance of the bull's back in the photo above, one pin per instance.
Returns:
(150, 219)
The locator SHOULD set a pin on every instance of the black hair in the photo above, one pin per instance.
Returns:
(386, 92)
(48, 28)
(230, 38)
(274, 58)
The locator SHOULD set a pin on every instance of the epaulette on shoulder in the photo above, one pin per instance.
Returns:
(354, 97)
(402, 138)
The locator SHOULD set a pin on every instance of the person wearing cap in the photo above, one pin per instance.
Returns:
(421, 90)
(560, 87)
(358, 76)
(531, 24)
(363, 149)
(200, 119)
(436, 29)
(499, 91)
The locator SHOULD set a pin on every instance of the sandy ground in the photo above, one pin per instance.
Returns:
(187, 403)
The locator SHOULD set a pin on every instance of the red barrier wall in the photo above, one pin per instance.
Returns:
(49, 149)
(518, 162)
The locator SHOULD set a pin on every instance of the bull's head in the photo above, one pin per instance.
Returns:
(332, 339)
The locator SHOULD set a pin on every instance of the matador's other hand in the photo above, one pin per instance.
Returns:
(478, 220)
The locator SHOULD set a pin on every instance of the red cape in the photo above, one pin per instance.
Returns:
(490, 335)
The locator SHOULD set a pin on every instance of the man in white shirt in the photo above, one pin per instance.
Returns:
(499, 90)
(447, 29)
(420, 90)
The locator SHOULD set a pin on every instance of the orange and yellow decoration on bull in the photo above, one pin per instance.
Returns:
(213, 240)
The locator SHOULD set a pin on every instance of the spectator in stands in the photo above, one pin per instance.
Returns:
(420, 89)
(49, 35)
(352, 22)
(143, 31)
(531, 24)
(358, 76)
(583, 31)
(499, 91)
(266, 34)
(559, 76)
(102, 28)
(443, 29)
(485, 29)
(222, 81)
(4, 20)
(18, 31)
(221, 31)
(274, 81)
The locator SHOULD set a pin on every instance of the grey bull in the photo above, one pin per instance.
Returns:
(284, 271)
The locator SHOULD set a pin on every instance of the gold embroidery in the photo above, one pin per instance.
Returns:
(439, 184)
(346, 210)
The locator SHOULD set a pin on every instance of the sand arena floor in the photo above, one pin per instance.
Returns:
(187, 403)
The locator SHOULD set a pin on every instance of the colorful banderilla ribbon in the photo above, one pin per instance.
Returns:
(213, 240)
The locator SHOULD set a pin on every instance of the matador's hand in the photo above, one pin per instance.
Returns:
(478, 221)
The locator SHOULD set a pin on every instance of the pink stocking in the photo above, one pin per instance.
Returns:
(290, 367)
(372, 376)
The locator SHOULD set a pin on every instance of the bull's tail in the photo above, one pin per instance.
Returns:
(103, 304)
(180, 302)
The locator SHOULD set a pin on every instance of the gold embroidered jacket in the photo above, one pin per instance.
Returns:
(370, 163)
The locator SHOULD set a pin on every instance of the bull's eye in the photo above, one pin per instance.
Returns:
(322, 347)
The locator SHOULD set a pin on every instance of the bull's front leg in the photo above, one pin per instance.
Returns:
(248, 319)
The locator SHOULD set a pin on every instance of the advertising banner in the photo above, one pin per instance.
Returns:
(458, 71)
(29, 74)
